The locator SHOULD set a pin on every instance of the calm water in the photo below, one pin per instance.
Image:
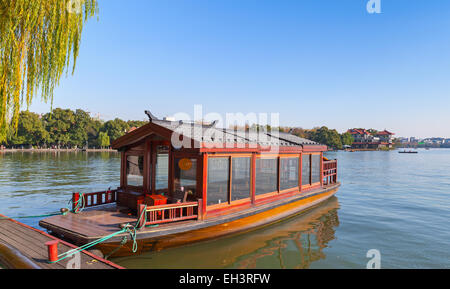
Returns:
(396, 203)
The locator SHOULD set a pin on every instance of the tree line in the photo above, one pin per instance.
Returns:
(330, 137)
(64, 128)
(323, 135)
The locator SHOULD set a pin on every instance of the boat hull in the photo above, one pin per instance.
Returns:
(221, 228)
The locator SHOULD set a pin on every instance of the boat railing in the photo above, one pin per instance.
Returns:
(329, 172)
(170, 213)
(94, 199)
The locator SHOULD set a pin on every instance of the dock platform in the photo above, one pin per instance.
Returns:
(23, 247)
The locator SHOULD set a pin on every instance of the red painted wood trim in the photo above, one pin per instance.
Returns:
(205, 182)
(300, 171)
(321, 169)
(253, 179)
(230, 181)
(153, 172)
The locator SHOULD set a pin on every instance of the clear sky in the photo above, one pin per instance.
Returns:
(316, 62)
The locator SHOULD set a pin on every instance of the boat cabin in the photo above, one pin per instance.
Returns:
(211, 171)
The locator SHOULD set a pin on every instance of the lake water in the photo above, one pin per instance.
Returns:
(398, 204)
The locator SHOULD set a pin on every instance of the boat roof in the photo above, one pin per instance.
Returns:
(207, 134)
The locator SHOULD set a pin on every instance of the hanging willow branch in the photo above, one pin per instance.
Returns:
(37, 40)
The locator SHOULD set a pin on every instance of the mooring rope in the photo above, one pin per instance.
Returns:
(79, 205)
(132, 230)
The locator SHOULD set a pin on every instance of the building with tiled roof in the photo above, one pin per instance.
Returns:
(363, 139)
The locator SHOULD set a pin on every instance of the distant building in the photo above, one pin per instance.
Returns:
(363, 139)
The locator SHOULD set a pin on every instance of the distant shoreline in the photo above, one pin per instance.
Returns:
(55, 150)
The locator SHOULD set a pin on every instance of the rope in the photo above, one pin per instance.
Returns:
(86, 246)
(132, 230)
(124, 241)
(79, 206)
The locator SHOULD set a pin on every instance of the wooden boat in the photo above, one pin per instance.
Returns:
(184, 182)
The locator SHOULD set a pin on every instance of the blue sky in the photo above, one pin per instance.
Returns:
(316, 62)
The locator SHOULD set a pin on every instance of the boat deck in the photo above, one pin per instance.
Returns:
(98, 222)
(28, 244)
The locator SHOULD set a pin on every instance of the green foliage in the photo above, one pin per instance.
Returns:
(103, 139)
(328, 137)
(322, 135)
(115, 128)
(59, 123)
(38, 39)
(30, 130)
(136, 123)
(347, 139)
(66, 128)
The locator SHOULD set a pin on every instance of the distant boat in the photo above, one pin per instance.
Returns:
(408, 152)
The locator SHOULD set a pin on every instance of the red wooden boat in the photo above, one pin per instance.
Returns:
(185, 182)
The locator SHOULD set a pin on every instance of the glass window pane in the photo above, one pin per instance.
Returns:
(315, 169)
(185, 179)
(266, 176)
(135, 171)
(218, 180)
(306, 170)
(240, 182)
(288, 173)
(162, 168)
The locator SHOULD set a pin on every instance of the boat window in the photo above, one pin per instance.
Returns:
(218, 180)
(266, 180)
(288, 173)
(315, 169)
(162, 168)
(135, 171)
(240, 180)
(185, 178)
(306, 170)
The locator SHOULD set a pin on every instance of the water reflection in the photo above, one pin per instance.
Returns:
(293, 243)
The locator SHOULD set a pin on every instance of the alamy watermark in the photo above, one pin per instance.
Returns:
(232, 130)
(74, 262)
(374, 6)
(375, 259)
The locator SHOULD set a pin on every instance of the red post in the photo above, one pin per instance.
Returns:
(200, 209)
(75, 199)
(52, 250)
(141, 209)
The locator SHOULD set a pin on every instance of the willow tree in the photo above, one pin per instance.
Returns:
(38, 39)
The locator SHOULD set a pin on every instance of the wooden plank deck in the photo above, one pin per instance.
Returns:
(30, 242)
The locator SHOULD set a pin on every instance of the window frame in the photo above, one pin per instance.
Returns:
(274, 193)
(311, 184)
(134, 153)
(229, 202)
(296, 156)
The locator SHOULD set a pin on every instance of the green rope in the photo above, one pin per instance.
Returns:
(122, 243)
(132, 230)
(86, 246)
(79, 206)
(32, 217)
